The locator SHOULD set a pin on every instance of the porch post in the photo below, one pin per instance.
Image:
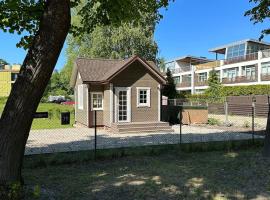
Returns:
(159, 102)
(87, 104)
(111, 110)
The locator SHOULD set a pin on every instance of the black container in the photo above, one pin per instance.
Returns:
(65, 118)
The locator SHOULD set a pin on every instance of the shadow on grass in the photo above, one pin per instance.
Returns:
(167, 174)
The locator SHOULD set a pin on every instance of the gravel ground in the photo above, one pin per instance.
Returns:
(75, 139)
(241, 121)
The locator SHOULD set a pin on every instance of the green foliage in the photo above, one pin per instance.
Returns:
(213, 122)
(115, 42)
(36, 192)
(13, 191)
(3, 62)
(226, 91)
(260, 13)
(161, 64)
(169, 90)
(58, 85)
(245, 90)
(19, 17)
(214, 89)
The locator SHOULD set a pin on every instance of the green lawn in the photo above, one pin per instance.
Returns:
(210, 175)
(54, 115)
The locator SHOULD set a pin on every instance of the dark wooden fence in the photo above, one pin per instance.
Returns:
(242, 105)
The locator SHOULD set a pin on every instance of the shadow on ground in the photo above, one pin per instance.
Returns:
(210, 175)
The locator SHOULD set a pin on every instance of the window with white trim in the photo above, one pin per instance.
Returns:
(143, 97)
(97, 101)
(80, 97)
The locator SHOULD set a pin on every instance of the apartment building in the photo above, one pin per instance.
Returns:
(245, 62)
(8, 75)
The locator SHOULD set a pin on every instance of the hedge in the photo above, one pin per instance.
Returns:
(230, 91)
(245, 90)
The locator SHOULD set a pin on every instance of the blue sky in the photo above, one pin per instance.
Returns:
(189, 27)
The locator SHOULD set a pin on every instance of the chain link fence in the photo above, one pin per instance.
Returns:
(63, 128)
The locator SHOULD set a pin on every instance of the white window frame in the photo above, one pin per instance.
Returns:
(80, 96)
(97, 93)
(148, 97)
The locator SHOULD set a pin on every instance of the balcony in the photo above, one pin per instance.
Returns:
(183, 84)
(265, 77)
(266, 53)
(239, 79)
(247, 57)
(181, 69)
(201, 83)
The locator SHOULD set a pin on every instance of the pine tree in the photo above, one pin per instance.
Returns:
(214, 89)
(169, 90)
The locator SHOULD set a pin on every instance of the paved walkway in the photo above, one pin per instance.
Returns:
(75, 139)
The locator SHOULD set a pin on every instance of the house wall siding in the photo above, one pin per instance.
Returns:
(136, 75)
(106, 106)
(81, 114)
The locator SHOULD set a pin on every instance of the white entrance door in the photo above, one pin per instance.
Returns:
(122, 104)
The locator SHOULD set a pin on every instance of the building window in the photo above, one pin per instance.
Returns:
(236, 51)
(97, 101)
(80, 97)
(143, 97)
(230, 74)
(249, 72)
(266, 68)
(186, 78)
(202, 77)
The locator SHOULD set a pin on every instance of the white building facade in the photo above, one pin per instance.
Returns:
(245, 62)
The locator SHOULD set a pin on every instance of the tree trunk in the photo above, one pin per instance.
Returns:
(27, 91)
(266, 148)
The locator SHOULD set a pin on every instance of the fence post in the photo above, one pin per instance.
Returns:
(180, 124)
(226, 112)
(95, 113)
(253, 119)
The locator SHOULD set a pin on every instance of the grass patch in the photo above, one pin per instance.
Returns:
(165, 172)
(44, 160)
(54, 120)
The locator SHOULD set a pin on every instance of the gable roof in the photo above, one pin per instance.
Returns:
(103, 70)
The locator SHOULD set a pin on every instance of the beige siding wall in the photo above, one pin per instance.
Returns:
(96, 88)
(136, 75)
(81, 114)
(106, 106)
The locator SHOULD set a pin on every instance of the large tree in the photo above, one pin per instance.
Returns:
(48, 23)
(258, 14)
(107, 41)
(169, 90)
(214, 89)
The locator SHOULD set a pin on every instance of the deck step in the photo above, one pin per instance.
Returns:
(141, 127)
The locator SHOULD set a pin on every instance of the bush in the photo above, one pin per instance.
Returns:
(245, 90)
(213, 121)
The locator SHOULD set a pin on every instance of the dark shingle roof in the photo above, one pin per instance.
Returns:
(100, 70)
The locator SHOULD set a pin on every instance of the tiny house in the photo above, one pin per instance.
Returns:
(125, 94)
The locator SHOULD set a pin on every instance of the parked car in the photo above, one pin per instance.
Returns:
(71, 103)
(56, 99)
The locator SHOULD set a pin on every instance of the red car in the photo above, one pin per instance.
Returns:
(70, 103)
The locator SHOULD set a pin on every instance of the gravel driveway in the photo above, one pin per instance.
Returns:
(75, 139)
